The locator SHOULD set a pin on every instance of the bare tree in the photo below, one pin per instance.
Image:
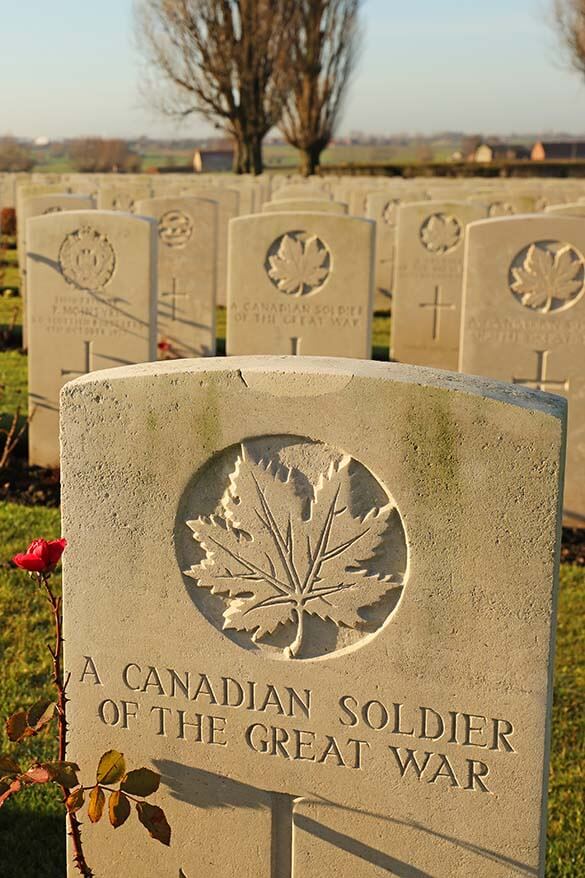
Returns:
(14, 156)
(570, 22)
(323, 59)
(93, 154)
(223, 59)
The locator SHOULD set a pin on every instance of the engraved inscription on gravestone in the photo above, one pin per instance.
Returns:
(548, 276)
(292, 563)
(298, 264)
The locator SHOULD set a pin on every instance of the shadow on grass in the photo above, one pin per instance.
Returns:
(10, 337)
(32, 844)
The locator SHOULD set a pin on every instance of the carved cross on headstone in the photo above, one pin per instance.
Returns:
(88, 364)
(541, 381)
(436, 305)
(175, 294)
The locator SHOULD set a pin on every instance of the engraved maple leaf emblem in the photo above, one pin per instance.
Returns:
(441, 233)
(298, 266)
(545, 276)
(274, 565)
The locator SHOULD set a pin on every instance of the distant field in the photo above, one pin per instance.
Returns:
(281, 156)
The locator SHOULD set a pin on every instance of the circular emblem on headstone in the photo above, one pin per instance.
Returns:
(441, 233)
(175, 228)
(547, 276)
(298, 263)
(291, 548)
(390, 212)
(87, 259)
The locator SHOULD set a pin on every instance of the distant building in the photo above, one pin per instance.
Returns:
(494, 152)
(567, 150)
(209, 160)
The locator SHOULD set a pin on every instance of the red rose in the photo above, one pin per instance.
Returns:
(164, 346)
(41, 556)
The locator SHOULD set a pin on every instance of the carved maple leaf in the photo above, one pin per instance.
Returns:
(545, 276)
(298, 267)
(272, 566)
(441, 233)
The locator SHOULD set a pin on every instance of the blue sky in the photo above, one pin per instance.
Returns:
(67, 67)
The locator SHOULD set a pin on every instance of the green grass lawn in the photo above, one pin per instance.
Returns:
(31, 825)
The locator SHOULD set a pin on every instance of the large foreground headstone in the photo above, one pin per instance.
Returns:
(187, 259)
(300, 283)
(524, 319)
(91, 305)
(318, 597)
(426, 308)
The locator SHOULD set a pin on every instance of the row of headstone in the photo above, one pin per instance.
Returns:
(302, 283)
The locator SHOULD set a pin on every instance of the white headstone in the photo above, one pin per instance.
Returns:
(300, 283)
(524, 320)
(187, 260)
(91, 305)
(426, 306)
(318, 597)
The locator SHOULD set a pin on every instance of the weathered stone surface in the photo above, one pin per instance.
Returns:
(301, 190)
(91, 305)
(187, 265)
(524, 319)
(300, 283)
(305, 204)
(426, 307)
(570, 209)
(396, 512)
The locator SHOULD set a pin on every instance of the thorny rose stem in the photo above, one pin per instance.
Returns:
(61, 686)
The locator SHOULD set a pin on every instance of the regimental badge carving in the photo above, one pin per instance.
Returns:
(87, 259)
(441, 233)
(298, 263)
(390, 212)
(302, 563)
(500, 208)
(547, 276)
(175, 228)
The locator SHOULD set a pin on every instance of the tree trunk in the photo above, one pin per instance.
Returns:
(310, 159)
(256, 159)
(241, 162)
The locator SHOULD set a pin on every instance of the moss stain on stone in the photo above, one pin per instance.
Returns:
(209, 422)
(433, 437)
